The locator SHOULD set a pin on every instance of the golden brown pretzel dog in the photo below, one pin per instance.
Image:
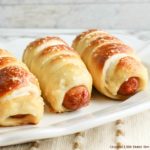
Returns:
(65, 82)
(20, 95)
(116, 70)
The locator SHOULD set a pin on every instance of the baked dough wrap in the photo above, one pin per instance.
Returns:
(64, 79)
(117, 72)
(20, 95)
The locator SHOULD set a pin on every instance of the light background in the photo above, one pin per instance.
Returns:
(107, 14)
(69, 14)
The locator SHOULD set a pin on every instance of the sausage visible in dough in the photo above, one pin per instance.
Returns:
(76, 98)
(129, 87)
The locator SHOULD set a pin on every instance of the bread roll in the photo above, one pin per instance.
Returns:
(64, 79)
(117, 72)
(20, 96)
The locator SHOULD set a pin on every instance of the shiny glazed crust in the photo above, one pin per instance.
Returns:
(19, 93)
(110, 61)
(58, 68)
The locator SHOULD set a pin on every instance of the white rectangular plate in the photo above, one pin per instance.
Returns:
(101, 110)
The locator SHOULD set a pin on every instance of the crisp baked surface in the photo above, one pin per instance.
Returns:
(59, 69)
(111, 63)
(20, 96)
